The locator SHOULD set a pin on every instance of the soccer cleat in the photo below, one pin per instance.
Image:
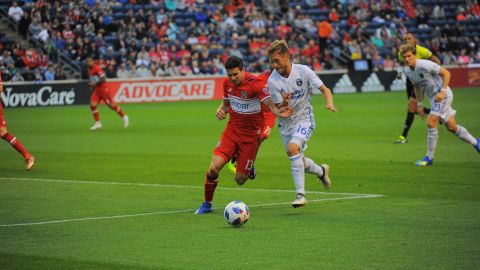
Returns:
(205, 208)
(125, 121)
(232, 166)
(401, 140)
(426, 161)
(29, 162)
(325, 179)
(96, 126)
(299, 201)
(477, 146)
(253, 173)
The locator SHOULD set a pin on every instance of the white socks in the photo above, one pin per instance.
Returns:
(298, 173)
(312, 167)
(432, 139)
(465, 136)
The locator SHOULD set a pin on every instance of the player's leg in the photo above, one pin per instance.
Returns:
(298, 170)
(246, 155)
(112, 105)
(222, 153)
(432, 139)
(462, 133)
(321, 171)
(16, 144)
(94, 99)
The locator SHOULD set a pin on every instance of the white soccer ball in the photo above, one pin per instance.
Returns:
(236, 213)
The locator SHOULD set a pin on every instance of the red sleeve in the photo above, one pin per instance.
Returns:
(261, 89)
(98, 71)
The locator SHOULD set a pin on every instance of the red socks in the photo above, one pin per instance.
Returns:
(16, 144)
(95, 113)
(118, 110)
(210, 185)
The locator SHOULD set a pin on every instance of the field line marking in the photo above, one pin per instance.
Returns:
(168, 212)
(174, 186)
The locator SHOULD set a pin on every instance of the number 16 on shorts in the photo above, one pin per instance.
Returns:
(303, 132)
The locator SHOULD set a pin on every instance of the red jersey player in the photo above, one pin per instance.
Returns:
(100, 93)
(14, 142)
(243, 94)
(268, 122)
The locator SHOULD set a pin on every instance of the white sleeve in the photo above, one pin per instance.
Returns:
(313, 80)
(432, 67)
(274, 91)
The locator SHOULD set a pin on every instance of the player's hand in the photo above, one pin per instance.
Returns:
(285, 112)
(440, 96)
(330, 107)
(221, 114)
(287, 97)
(421, 112)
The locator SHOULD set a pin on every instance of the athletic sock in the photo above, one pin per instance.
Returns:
(432, 139)
(408, 123)
(119, 111)
(95, 113)
(298, 173)
(16, 144)
(210, 185)
(312, 167)
(465, 136)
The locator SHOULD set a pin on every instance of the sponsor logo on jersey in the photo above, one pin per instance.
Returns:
(45, 96)
(244, 94)
(244, 106)
(372, 84)
(297, 94)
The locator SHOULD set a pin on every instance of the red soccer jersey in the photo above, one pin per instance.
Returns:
(96, 73)
(245, 104)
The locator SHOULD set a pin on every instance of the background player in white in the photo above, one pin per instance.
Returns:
(432, 80)
(292, 84)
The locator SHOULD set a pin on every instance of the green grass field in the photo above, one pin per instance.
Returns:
(124, 198)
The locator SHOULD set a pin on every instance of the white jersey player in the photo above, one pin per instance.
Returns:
(432, 80)
(292, 84)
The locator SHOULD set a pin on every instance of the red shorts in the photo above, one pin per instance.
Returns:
(268, 123)
(246, 150)
(101, 94)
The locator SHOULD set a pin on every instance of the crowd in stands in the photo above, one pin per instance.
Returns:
(145, 38)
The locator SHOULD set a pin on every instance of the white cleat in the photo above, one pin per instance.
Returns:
(29, 162)
(96, 126)
(325, 179)
(299, 201)
(125, 121)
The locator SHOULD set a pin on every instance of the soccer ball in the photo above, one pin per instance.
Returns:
(236, 213)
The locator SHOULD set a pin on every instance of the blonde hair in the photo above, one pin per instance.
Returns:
(407, 48)
(278, 46)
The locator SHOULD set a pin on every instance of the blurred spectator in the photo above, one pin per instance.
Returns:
(15, 12)
(17, 77)
(111, 71)
(49, 74)
(123, 72)
(143, 71)
(438, 12)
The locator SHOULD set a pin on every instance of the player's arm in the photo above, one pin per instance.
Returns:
(100, 80)
(435, 59)
(446, 75)
(327, 95)
(222, 111)
(280, 111)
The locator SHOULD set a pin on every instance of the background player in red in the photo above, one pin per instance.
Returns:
(14, 142)
(243, 95)
(100, 93)
(268, 122)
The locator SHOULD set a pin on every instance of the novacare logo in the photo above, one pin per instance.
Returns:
(43, 97)
(165, 91)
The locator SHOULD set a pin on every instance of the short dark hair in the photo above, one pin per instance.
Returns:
(234, 62)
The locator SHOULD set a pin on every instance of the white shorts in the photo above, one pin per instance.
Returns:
(299, 134)
(444, 108)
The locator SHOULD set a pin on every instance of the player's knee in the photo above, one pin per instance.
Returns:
(293, 149)
(241, 178)
(3, 131)
(213, 172)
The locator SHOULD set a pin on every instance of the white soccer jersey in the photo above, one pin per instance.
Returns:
(426, 76)
(300, 83)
